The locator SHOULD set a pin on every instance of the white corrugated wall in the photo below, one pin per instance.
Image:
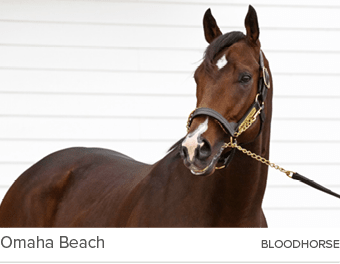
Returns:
(118, 75)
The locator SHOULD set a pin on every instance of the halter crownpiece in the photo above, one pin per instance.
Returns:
(236, 129)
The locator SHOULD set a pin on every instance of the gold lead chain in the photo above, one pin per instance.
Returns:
(258, 157)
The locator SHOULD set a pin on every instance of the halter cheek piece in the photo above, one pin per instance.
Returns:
(236, 129)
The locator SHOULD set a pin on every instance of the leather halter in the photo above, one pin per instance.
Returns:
(235, 129)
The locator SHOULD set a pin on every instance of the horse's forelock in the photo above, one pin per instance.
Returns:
(219, 44)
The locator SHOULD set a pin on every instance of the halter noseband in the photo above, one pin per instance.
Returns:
(236, 129)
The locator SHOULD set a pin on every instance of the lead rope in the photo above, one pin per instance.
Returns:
(290, 174)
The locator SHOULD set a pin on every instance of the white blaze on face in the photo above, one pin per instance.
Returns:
(221, 62)
(191, 140)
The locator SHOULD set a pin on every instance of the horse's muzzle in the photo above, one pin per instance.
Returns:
(198, 158)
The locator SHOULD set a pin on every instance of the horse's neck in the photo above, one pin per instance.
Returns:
(246, 178)
(231, 196)
(239, 185)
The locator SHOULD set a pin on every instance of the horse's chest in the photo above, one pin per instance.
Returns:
(171, 213)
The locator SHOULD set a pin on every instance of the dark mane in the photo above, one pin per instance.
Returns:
(219, 44)
(176, 145)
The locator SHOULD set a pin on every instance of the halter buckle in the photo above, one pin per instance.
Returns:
(250, 119)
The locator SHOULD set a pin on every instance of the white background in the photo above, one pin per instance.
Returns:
(119, 75)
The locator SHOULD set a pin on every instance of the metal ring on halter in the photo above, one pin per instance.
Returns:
(265, 75)
(257, 97)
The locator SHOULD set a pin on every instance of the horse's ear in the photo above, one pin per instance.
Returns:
(252, 25)
(211, 30)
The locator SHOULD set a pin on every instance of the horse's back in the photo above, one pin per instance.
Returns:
(72, 187)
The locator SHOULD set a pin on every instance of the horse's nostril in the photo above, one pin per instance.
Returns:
(184, 152)
(200, 151)
(204, 151)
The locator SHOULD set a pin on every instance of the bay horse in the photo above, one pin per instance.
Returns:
(199, 183)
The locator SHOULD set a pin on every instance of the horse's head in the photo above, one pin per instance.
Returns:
(228, 82)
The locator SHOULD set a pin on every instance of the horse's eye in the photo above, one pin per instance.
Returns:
(245, 78)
